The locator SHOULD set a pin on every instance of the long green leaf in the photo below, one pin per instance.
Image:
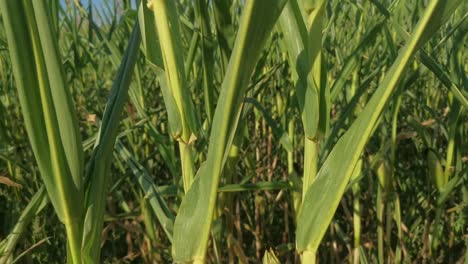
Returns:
(194, 217)
(167, 24)
(48, 110)
(430, 62)
(325, 193)
(100, 162)
(305, 56)
(297, 44)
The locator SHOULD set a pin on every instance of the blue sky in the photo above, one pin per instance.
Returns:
(100, 4)
(96, 3)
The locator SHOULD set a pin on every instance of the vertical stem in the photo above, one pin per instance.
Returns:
(292, 174)
(308, 257)
(356, 213)
(166, 20)
(396, 200)
(380, 235)
(291, 153)
(400, 232)
(310, 164)
(74, 232)
(356, 188)
(188, 170)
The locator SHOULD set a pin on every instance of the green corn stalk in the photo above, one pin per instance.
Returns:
(396, 200)
(356, 211)
(383, 171)
(314, 20)
(303, 37)
(356, 189)
(303, 42)
(196, 211)
(167, 24)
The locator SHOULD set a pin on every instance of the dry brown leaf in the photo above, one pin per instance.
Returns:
(9, 182)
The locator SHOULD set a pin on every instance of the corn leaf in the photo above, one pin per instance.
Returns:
(167, 24)
(48, 111)
(324, 195)
(194, 217)
(297, 44)
(100, 161)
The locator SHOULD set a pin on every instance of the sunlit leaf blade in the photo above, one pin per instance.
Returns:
(270, 257)
(170, 41)
(48, 111)
(149, 37)
(195, 213)
(325, 193)
(152, 52)
(297, 45)
(64, 107)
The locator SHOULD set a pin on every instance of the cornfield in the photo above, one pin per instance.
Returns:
(229, 131)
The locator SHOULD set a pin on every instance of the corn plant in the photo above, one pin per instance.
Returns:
(52, 126)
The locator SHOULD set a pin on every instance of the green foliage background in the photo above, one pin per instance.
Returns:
(412, 203)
